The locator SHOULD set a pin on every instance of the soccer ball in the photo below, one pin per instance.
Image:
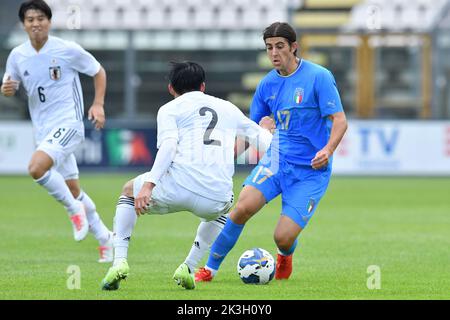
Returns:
(256, 266)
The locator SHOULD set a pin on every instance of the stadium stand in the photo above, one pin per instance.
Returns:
(396, 15)
(172, 14)
(135, 40)
(167, 30)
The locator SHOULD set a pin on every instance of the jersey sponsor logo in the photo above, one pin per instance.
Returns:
(26, 73)
(298, 95)
(55, 73)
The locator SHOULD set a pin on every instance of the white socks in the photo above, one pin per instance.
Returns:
(207, 232)
(96, 225)
(124, 223)
(125, 220)
(56, 186)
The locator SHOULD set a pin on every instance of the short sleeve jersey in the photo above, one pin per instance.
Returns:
(51, 80)
(300, 103)
(205, 128)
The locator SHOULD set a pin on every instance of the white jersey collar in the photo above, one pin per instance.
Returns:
(43, 49)
(192, 93)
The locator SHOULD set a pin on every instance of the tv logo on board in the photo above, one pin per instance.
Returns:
(383, 139)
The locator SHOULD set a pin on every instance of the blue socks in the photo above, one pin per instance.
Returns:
(223, 244)
(291, 249)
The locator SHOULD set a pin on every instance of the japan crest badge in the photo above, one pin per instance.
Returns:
(55, 73)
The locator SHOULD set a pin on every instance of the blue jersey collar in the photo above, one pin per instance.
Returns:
(289, 75)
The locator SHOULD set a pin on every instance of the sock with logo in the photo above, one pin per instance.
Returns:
(124, 222)
(207, 232)
(223, 244)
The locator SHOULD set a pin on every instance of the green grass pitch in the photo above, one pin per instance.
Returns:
(401, 225)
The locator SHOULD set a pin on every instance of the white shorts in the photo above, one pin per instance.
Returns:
(168, 197)
(60, 144)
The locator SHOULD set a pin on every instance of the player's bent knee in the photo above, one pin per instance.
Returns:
(35, 171)
(127, 189)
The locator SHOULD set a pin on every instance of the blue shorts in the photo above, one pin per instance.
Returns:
(301, 187)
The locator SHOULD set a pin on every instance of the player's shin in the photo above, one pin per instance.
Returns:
(96, 225)
(223, 244)
(56, 186)
(124, 222)
(207, 232)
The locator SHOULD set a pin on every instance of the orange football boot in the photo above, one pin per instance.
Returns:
(284, 267)
(203, 275)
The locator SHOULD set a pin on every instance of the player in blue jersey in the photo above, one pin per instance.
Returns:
(310, 123)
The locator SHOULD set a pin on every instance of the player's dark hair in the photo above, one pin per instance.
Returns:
(281, 29)
(34, 5)
(186, 76)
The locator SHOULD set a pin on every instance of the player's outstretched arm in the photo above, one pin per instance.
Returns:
(96, 113)
(337, 132)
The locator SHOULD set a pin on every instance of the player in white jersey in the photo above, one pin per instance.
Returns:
(48, 67)
(193, 169)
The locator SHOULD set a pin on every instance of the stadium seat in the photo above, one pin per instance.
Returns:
(251, 18)
(174, 14)
(179, 18)
(108, 19)
(203, 19)
(155, 18)
(133, 19)
(397, 15)
(275, 14)
(227, 19)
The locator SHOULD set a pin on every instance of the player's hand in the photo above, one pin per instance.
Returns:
(96, 115)
(143, 199)
(9, 87)
(267, 123)
(321, 159)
